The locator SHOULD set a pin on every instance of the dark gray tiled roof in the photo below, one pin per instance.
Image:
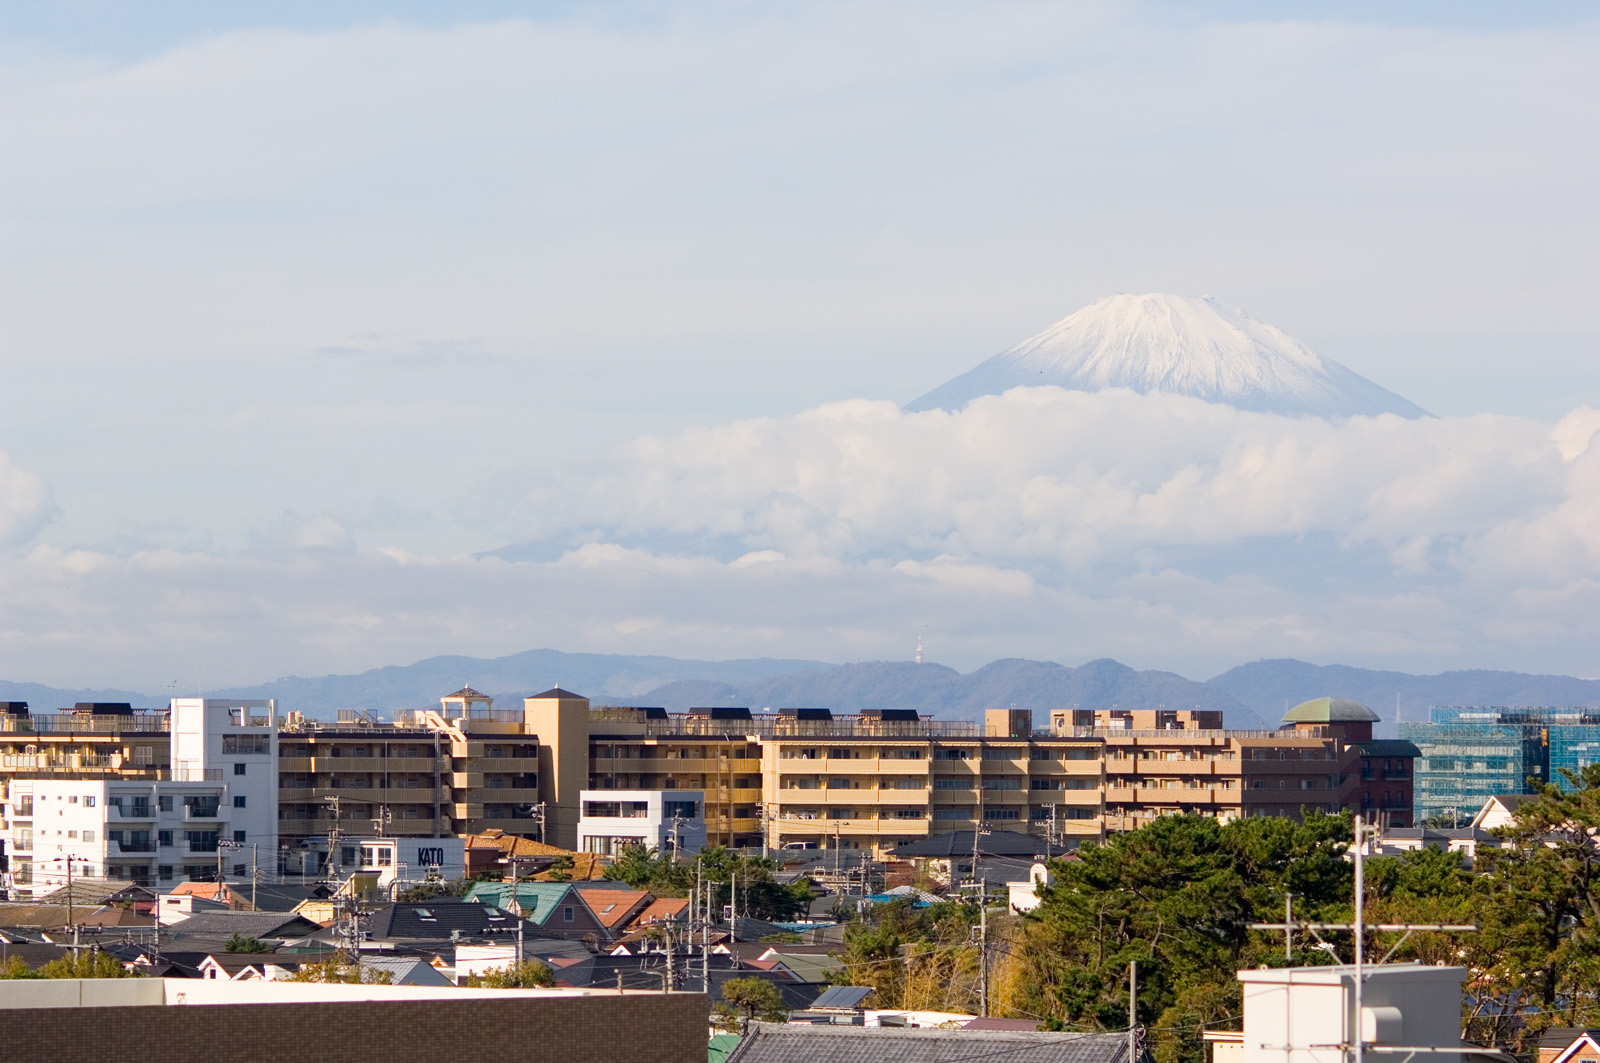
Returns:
(773, 1043)
(959, 843)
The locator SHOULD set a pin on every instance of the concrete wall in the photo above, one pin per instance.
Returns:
(125, 1021)
(1302, 1014)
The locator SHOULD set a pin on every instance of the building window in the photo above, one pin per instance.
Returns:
(163, 837)
(952, 813)
(164, 871)
(238, 768)
(164, 803)
(238, 836)
(238, 801)
(88, 835)
(952, 784)
(567, 914)
(1003, 813)
(89, 801)
(72, 800)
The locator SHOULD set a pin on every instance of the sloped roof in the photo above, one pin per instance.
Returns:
(437, 920)
(585, 866)
(557, 692)
(613, 907)
(1330, 710)
(1388, 747)
(211, 891)
(40, 915)
(536, 899)
(468, 692)
(782, 1043)
(958, 843)
(223, 925)
(406, 970)
(662, 909)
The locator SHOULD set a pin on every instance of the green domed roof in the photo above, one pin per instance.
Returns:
(1330, 710)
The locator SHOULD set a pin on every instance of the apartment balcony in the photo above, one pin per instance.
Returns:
(970, 768)
(351, 765)
(130, 813)
(851, 766)
(823, 828)
(209, 813)
(1058, 768)
(493, 794)
(131, 848)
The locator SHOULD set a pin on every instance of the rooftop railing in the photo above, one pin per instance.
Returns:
(1178, 733)
(770, 726)
(84, 723)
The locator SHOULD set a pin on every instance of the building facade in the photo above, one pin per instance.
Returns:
(202, 807)
(668, 820)
(1472, 753)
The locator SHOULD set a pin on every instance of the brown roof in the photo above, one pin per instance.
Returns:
(613, 908)
(211, 891)
(118, 917)
(467, 692)
(662, 909)
(585, 866)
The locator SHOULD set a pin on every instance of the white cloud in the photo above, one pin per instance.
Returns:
(1162, 531)
(25, 503)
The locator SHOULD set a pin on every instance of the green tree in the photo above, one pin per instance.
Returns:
(1538, 907)
(529, 974)
(240, 943)
(16, 967)
(339, 968)
(85, 963)
(1177, 896)
(436, 887)
(760, 895)
(744, 999)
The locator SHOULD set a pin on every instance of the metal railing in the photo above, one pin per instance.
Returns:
(83, 723)
(772, 726)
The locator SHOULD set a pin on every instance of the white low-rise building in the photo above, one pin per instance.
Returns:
(667, 820)
(213, 813)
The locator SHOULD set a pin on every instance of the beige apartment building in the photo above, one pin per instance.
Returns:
(461, 769)
(1164, 762)
(794, 777)
(91, 739)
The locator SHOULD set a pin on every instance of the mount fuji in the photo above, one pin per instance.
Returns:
(1176, 345)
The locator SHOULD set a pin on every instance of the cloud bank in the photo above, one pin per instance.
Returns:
(1158, 529)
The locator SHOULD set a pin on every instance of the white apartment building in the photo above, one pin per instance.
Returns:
(214, 812)
(611, 820)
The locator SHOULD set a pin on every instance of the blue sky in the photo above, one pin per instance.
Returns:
(310, 310)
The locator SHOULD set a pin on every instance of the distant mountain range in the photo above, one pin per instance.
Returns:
(1250, 696)
(1175, 345)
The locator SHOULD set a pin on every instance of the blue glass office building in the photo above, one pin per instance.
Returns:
(1470, 753)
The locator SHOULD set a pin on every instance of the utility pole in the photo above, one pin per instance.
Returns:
(1288, 926)
(1361, 930)
(332, 870)
(1133, 1010)
(255, 873)
(670, 976)
(705, 940)
(983, 950)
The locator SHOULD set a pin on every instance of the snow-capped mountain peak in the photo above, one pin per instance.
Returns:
(1179, 345)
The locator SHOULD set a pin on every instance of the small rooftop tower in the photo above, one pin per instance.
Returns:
(1346, 720)
(466, 702)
